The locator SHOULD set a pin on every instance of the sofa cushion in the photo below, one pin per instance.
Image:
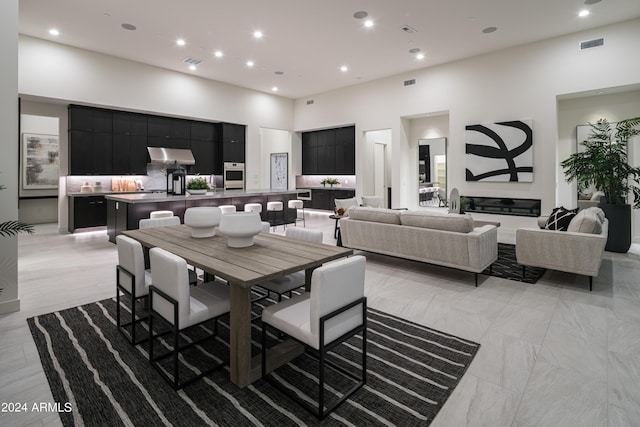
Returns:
(560, 218)
(387, 216)
(459, 223)
(586, 221)
(597, 212)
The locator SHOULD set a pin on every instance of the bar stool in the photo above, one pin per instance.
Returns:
(225, 209)
(253, 207)
(275, 207)
(297, 204)
(160, 214)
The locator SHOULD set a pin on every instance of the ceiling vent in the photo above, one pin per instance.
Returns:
(408, 29)
(410, 82)
(591, 43)
(193, 61)
(310, 102)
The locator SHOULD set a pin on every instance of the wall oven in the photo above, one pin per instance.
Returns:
(233, 176)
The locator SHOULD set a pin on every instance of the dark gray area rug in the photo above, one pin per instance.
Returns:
(412, 370)
(507, 267)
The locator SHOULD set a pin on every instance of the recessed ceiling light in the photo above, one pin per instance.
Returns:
(274, 89)
(257, 34)
(129, 27)
(54, 32)
(180, 42)
(250, 64)
(583, 13)
(368, 23)
(344, 68)
(360, 14)
(218, 54)
(420, 56)
(192, 67)
(489, 30)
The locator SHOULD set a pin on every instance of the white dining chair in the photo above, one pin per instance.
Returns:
(174, 302)
(133, 281)
(288, 283)
(334, 311)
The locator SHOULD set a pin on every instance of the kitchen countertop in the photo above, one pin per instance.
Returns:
(105, 193)
(163, 197)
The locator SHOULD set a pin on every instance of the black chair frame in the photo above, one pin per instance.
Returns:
(175, 331)
(321, 355)
(122, 326)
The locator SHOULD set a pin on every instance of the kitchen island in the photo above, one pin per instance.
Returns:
(124, 211)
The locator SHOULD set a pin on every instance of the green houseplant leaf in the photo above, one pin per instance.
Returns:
(604, 163)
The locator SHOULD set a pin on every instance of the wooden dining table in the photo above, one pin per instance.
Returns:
(271, 256)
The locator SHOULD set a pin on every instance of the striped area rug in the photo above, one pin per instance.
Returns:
(103, 380)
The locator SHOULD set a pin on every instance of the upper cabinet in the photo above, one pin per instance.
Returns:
(110, 142)
(329, 152)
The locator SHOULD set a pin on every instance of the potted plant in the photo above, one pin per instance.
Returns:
(330, 181)
(197, 185)
(604, 165)
(11, 228)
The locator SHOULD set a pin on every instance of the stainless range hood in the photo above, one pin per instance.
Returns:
(171, 156)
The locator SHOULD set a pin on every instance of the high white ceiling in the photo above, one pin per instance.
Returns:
(308, 40)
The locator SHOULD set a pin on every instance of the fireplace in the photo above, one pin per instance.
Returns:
(503, 205)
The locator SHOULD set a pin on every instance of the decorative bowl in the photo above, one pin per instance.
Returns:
(202, 220)
(240, 227)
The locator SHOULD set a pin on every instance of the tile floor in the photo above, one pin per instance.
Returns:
(553, 353)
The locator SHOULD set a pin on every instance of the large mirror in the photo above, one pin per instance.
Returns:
(432, 172)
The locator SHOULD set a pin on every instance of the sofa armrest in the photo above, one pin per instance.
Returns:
(542, 221)
(483, 246)
(579, 253)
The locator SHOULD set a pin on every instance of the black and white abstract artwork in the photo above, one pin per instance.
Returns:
(500, 152)
(279, 171)
(41, 158)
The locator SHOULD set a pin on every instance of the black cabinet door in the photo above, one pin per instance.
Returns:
(202, 131)
(159, 126)
(130, 154)
(326, 152)
(89, 211)
(102, 150)
(345, 151)
(321, 199)
(80, 118)
(80, 152)
(309, 153)
(233, 143)
(203, 152)
(102, 121)
(129, 123)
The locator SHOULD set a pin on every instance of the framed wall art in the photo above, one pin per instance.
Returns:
(40, 161)
(279, 171)
(500, 152)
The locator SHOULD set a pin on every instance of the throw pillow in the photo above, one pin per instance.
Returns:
(560, 218)
(586, 221)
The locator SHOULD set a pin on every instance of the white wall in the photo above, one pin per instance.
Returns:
(9, 143)
(517, 83)
(85, 77)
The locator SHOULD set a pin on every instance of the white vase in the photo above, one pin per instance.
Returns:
(240, 227)
(202, 220)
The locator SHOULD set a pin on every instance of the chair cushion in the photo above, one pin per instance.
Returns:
(292, 318)
(459, 223)
(207, 301)
(387, 216)
(560, 218)
(586, 221)
(346, 203)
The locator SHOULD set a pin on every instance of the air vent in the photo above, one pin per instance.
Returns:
(310, 102)
(591, 43)
(410, 82)
(193, 61)
(408, 29)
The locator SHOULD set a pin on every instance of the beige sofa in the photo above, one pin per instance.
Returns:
(449, 240)
(578, 250)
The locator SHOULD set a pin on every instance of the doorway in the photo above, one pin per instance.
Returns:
(380, 172)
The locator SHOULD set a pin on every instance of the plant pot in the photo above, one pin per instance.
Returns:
(619, 236)
(202, 191)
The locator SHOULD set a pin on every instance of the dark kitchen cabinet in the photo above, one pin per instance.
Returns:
(90, 119)
(233, 142)
(203, 147)
(129, 143)
(309, 153)
(329, 152)
(90, 153)
(88, 211)
(168, 127)
(321, 199)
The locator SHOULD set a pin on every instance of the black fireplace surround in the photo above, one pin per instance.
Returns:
(501, 205)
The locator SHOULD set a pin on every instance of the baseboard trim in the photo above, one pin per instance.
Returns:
(9, 306)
